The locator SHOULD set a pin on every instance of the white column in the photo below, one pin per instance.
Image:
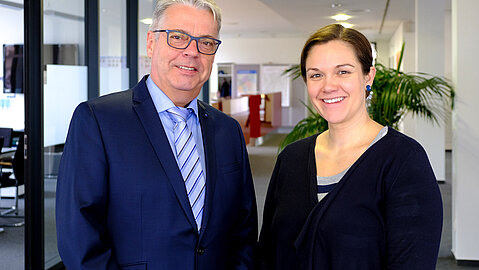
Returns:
(465, 137)
(429, 29)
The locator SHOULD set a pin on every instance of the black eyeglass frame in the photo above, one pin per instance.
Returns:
(218, 42)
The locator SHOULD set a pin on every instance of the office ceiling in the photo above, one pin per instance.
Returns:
(284, 18)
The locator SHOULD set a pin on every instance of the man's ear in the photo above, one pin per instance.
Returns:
(150, 43)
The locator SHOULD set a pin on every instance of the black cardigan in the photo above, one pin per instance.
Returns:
(385, 213)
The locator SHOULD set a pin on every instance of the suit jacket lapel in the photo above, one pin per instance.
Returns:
(207, 129)
(144, 107)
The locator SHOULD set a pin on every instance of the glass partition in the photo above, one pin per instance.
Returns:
(145, 12)
(113, 70)
(65, 86)
(12, 117)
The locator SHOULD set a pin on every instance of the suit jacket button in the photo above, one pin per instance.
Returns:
(200, 251)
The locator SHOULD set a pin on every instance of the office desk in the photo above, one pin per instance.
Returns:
(7, 152)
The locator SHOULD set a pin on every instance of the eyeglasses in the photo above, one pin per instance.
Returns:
(181, 40)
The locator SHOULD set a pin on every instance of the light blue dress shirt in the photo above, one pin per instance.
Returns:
(162, 103)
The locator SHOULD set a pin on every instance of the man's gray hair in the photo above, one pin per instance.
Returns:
(163, 5)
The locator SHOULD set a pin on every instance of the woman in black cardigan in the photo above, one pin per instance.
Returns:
(359, 195)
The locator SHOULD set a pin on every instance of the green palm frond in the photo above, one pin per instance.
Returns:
(294, 72)
(396, 93)
(309, 126)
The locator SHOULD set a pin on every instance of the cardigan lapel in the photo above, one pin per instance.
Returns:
(323, 205)
(207, 122)
(329, 198)
(303, 242)
(145, 109)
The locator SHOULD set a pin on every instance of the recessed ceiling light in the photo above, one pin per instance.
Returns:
(147, 21)
(336, 5)
(341, 17)
(346, 25)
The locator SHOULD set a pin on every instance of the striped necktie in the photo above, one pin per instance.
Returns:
(189, 161)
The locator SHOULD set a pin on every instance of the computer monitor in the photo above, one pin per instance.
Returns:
(56, 54)
(13, 68)
(6, 133)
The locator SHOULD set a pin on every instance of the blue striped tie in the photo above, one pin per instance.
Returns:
(189, 162)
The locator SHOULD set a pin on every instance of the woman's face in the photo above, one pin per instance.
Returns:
(336, 83)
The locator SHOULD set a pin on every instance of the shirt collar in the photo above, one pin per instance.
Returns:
(162, 102)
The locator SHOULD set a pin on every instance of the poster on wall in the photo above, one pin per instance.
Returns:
(274, 80)
(247, 82)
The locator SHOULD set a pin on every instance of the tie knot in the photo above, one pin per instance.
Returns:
(178, 114)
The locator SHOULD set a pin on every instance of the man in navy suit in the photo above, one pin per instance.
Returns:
(124, 197)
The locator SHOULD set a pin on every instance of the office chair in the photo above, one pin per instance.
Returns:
(17, 165)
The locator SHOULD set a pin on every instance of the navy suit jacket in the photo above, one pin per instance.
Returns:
(121, 201)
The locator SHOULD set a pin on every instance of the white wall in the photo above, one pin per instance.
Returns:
(429, 30)
(465, 143)
(448, 73)
(265, 50)
(404, 34)
(395, 45)
(382, 52)
(260, 50)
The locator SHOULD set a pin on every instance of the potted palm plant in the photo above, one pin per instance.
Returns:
(394, 94)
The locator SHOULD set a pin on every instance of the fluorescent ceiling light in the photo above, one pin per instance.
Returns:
(147, 21)
(341, 17)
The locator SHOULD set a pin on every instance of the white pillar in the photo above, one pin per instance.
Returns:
(465, 137)
(429, 29)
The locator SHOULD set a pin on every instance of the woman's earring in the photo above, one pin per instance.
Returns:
(369, 95)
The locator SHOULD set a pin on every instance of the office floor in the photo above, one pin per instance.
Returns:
(12, 239)
(262, 159)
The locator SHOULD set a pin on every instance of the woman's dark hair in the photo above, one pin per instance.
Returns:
(330, 32)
